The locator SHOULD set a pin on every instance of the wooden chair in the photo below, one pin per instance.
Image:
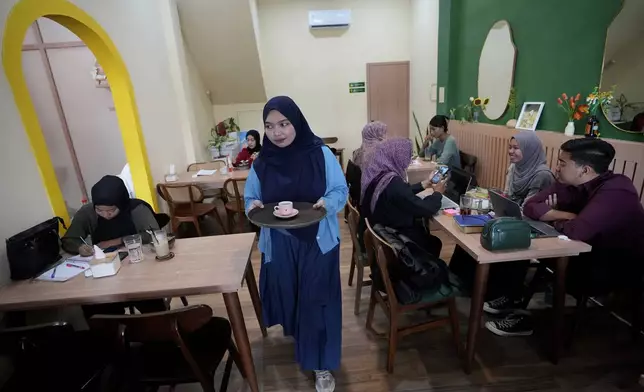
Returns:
(41, 356)
(381, 254)
(217, 164)
(186, 205)
(235, 203)
(168, 348)
(468, 162)
(358, 259)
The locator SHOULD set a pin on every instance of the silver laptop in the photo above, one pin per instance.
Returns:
(506, 207)
(447, 203)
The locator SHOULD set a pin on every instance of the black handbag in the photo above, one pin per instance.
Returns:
(31, 251)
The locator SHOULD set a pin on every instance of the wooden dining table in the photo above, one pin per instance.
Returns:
(203, 265)
(214, 181)
(540, 248)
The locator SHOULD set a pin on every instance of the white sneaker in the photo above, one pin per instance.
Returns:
(324, 381)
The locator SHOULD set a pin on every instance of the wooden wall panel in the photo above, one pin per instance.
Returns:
(489, 143)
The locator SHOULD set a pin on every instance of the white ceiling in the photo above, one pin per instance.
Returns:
(222, 40)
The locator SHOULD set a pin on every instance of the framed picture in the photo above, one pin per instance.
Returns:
(529, 117)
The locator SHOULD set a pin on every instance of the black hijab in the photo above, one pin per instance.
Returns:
(258, 144)
(111, 191)
(296, 172)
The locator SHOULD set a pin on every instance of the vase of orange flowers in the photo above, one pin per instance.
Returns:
(573, 110)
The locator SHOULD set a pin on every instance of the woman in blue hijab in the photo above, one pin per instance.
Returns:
(300, 273)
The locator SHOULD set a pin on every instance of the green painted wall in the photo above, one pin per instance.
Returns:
(560, 48)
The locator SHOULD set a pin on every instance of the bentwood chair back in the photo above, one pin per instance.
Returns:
(234, 194)
(174, 347)
(381, 254)
(186, 205)
(358, 259)
(217, 164)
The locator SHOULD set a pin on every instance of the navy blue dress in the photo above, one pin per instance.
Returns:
(299, 284)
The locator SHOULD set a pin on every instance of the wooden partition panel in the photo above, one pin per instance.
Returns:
(489, 143)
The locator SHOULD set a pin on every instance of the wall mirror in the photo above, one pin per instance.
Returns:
(496, 69)
(624, 68)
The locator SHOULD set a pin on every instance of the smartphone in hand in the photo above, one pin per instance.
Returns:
(441, 173)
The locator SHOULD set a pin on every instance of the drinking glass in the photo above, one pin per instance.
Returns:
(466, 205)
(160, 241)
(134, 247)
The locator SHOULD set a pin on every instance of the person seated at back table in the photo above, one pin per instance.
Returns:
(443, 145)
(589, 203)
(388, 199)
(111, 216)
(528, 175)
(372, 134)
(252, 149)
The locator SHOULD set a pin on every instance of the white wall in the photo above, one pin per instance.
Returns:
(138, 29)
(247, 115)
(315, 68)
(424, 62)
(202, 109)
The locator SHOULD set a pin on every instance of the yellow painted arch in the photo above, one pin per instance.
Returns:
(23, 14)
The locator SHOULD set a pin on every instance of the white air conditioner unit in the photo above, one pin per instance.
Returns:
(329, 19)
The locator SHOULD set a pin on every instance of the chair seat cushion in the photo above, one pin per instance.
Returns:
(163, 363)
(184, 210)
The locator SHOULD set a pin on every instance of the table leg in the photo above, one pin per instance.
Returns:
(241, 338)
(254, 296)
(559, 308)
(476, 310)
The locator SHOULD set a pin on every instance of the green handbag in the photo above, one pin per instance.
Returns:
(505, 234)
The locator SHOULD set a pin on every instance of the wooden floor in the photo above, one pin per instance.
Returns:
(602, 359)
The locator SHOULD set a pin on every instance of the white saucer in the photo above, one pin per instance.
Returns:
(292, 214)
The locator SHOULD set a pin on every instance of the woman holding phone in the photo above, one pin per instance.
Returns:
(388, 199)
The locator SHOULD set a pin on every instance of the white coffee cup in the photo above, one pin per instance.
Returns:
(284, 208)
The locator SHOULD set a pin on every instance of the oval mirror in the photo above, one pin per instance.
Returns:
(624, 68)
(496, 69)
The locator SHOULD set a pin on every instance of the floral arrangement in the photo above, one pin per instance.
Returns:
(220, 134)
(471, 106)
(597, 98)
(570, 106)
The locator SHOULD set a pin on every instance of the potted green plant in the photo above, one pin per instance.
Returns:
(220, 137)
(419, 143)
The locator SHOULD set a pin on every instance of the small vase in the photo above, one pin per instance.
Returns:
(592, 127)
(570, 129)
(214, 152)
(476, 116)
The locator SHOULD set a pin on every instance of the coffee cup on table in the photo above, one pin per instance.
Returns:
(284, 208)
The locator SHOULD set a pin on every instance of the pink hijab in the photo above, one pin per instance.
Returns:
(372, 134)
(390, 159)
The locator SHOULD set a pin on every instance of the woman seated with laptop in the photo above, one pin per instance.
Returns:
(387, 198)
(528, 174)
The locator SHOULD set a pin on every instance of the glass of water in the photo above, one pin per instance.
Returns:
(134, 247)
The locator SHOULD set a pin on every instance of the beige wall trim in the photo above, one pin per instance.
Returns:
(59, 106)
(54, 45)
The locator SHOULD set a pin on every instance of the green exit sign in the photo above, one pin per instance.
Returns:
(356, 84)
(356, 90)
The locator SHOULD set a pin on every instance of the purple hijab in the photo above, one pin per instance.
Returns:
(390, 159)
(372, 134)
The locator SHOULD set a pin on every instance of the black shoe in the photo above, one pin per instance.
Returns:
(501, 305)
(514, 324)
